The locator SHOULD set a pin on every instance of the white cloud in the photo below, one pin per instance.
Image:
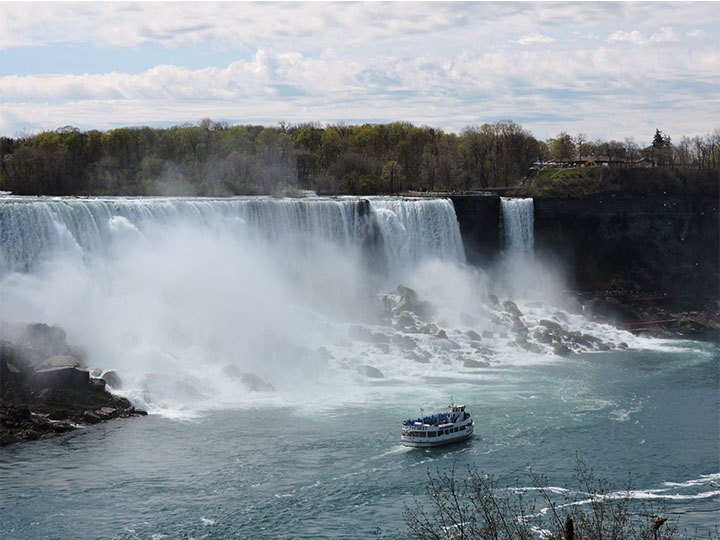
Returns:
(533, 38)
(633, 37)
(665, 34)
(445, 64)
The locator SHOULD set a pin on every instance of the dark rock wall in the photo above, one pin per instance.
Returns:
(614, 241)
(479, 219)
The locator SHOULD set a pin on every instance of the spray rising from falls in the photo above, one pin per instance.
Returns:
(202, 303)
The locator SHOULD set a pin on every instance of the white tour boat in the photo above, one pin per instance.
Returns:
(442, 428)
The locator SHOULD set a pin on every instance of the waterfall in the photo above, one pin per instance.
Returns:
(33, 230)
(518, 222)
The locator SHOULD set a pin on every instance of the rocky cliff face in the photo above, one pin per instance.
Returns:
(615, 241)
(650, 244)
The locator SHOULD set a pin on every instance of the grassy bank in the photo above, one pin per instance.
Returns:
(571, 183)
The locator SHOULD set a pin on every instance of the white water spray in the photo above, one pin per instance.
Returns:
(172, 293)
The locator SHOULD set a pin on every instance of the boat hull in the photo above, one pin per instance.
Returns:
(429, 444)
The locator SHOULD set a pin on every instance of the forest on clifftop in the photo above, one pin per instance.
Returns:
(217, 159)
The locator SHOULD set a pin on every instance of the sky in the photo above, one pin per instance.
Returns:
(610, 70)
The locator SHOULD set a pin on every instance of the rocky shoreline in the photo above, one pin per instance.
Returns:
(44, 388)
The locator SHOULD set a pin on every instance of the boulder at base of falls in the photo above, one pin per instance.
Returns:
(252, 382)
(561, 349)
(112, 379)
(43, 392)
(409, 301)
(511, 307)
(405, 322)
(419, 357)
(469, 363)
(370, 372)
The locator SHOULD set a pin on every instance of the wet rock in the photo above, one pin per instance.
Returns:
(409, 301)
(519, 327)
(473, 335)
(493, 300)
(511, 307)
(560, 349)
(487, 334)
(418, 357)
(369, 371)
(429, 329)
(252, 382)
(97, 372)
(30, 435)
(406, 322)
(552, 326)
(112, 379)
(91, 418)
(61, 427)
(482, 349)
(98, 384)
(404, 342)
(530, 346)
(383, 347)
(543, 336)
(442, 334)
(59, 360)
(61, 377)
(469, 363)
(106, 413)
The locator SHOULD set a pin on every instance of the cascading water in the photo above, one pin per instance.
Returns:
(173, 293)
(517, 220)
(410, 231)
(164, 288)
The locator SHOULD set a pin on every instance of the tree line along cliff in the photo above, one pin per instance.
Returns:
(217, 159)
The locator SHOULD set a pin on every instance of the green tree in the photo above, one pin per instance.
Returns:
(392, 177)
(562, 147)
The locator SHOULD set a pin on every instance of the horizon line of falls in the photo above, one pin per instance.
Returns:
(401, 231)
(518, 222)
(194, 301)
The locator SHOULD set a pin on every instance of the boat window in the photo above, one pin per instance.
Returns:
(462, 428)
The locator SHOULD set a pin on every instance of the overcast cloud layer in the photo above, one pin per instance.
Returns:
(609, 70)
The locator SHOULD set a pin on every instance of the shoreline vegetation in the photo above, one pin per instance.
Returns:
(217, 159)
